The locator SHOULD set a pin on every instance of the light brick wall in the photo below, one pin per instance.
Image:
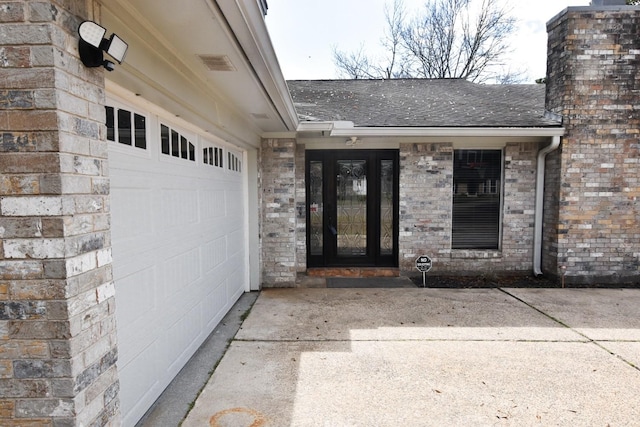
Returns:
(279, 218)
(593, 80)
(551, 210)
(426, 183)
(519, 206)
(57, 325)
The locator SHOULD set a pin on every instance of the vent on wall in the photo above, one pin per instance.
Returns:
(217, 62)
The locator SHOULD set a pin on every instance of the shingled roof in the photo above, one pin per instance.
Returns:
(420, 103)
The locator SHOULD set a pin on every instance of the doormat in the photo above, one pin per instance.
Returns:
(369, 282)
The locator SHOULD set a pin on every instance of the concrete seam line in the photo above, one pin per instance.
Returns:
(590, 340)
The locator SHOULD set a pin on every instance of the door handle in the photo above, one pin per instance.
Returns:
(330, 226)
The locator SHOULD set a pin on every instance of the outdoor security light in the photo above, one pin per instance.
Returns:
(91, 33)
(117, 48)
(92, 43)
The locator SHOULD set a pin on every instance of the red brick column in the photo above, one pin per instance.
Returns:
(57, 321)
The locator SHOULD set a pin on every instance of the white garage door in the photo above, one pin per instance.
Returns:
(178, 246)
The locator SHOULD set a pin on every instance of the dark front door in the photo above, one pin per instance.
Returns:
(352, 208)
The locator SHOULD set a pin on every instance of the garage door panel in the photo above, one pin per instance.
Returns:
(213, 204)
(133, 204)
(214, 307)
(214, 253)
(178, 262)
(138, 296)
(179, 207)
(138, 385)
(234, 285)
(182, 340)
(234, 204)
(180, 271)
(236, 242)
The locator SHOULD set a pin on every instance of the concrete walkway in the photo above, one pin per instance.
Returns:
(430, 357)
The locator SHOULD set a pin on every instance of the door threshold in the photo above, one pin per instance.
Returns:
(353, 272)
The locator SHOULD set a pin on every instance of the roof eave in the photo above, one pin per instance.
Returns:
(347, 129)
(248, 25)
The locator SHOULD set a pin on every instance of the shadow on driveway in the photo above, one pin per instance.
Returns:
(421, 357)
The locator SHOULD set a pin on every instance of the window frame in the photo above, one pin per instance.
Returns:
(181, 145)
(115, 144)
(499, 190)
(212, 155)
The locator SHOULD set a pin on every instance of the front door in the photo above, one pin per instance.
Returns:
(352, 208)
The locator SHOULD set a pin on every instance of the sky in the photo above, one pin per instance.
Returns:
(305, 32)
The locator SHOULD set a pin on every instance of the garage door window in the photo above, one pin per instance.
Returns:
(212, 156)
(126, 127)
(176, 145)
(234, 162)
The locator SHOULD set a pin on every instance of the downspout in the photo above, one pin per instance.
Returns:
(537, 227)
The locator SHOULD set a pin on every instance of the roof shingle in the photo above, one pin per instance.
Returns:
(420, 103)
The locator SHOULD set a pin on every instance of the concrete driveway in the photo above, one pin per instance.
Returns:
(430, 357)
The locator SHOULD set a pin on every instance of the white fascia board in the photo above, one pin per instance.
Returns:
(447, 132)
(315, 127)
(248, 25)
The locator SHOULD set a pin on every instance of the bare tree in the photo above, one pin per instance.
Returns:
(465, 39)
(357, 65)
(354, 65)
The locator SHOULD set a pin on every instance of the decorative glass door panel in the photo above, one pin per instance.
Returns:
(315, 198)
(386, 207)
(352, 208)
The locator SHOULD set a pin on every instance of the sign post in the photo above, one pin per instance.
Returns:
(424, 264)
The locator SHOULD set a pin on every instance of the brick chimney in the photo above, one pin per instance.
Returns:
(592, 199)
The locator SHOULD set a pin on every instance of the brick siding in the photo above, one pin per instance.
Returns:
(57, 309)
(278, 226)
(426, 202)
(593, 83)
(426, 185)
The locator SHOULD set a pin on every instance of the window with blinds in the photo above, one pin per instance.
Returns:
(477, 188)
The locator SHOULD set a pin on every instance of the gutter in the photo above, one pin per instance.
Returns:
(537, 228)
(347, 129)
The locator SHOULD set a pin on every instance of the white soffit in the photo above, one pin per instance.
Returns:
(220, 47)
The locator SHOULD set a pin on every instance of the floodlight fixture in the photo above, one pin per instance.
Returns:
(92, 43)
(117, 48)
(91, 33)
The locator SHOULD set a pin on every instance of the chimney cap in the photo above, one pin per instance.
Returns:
(608, 3)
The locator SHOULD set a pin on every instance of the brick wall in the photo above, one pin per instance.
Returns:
(519, 206)
(426, 185)
(426, 182)
(278, 226)
(593, 83)
(57, 325)
(551, 210)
